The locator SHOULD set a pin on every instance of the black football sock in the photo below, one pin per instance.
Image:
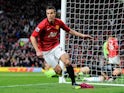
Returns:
(70, 71)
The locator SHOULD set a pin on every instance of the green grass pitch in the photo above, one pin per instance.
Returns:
(38, 83)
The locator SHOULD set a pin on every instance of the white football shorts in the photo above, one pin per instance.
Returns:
(52, 57)
(114, 60)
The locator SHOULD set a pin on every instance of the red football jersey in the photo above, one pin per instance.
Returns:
(48, 34)
(113, 47)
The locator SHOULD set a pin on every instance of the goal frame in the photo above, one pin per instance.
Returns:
(62, 44)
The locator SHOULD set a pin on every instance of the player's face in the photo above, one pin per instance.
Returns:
(50, 14)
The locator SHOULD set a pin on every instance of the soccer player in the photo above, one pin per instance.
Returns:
(111, 52)
(45, 40)
(111, 69)
(99, 74)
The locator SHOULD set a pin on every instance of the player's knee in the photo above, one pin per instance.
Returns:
(67, 63)
(58, 70)
(65, 59)
(117, 71)
(85, 70)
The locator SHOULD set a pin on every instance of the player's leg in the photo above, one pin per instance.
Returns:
(65, 59)
(53, 63)
(95, 75)
(94, 79)
(85, 70)
(53, 71)
(116, 71)
(52, 58)
(114, 63)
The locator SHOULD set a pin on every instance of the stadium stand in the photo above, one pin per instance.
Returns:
(17, 20)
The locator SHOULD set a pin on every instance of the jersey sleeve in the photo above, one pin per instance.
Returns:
(64, 26)
(38, 29)
(105, 50)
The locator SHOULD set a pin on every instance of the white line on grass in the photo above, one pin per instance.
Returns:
(10, 86)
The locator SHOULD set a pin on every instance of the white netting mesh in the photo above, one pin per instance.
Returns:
(99, 18)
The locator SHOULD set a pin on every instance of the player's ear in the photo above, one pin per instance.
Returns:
(55, 12)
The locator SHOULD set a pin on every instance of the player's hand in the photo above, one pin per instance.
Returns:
(88, 36)
(39, 54)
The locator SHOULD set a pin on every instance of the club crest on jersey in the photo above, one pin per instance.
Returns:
(52, 34)
(37, 29)
(57, 27)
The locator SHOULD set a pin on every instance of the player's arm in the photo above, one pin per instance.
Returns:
(34, 37)
(73, 32)
(35, 45)
(105, 50)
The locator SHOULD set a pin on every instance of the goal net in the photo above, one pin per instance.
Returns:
(101, 19)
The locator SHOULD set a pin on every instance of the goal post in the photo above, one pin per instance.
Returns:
(100, 19)
(63, 18)
(62, 38)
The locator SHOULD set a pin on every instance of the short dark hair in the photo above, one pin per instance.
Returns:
(51, 7)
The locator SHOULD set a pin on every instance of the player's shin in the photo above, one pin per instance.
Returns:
(70, 71)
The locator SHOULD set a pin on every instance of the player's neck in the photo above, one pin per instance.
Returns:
(51, 22)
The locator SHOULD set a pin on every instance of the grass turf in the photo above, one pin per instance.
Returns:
(38, 83)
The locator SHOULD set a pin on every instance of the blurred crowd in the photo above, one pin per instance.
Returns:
(18, 18)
